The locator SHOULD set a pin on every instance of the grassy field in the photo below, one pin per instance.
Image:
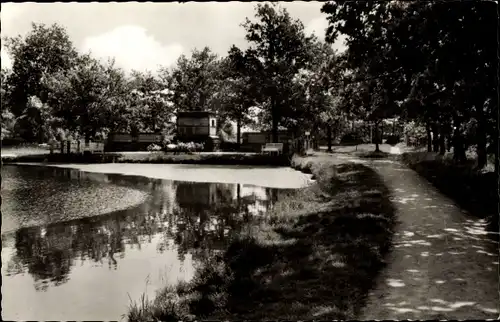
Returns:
(315, 255)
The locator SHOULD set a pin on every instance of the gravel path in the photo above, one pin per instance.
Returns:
(442, 266)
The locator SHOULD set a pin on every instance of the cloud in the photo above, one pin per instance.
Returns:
(318, 26)
(6, 60)
(133, 49)
(9, 14)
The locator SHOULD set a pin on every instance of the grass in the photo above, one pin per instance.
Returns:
(25, 149)
(154, 157)
(474, 191)
(315, 255)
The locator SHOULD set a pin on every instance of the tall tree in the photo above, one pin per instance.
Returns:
(8, 119)
(195, 81)
(237, 91)
(89, 97)
(280, 49)
(451, 44)
(151, 106)
(45, 50)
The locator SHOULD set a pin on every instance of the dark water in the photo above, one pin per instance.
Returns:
(80, 245)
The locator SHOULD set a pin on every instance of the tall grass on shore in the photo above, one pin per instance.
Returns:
(315, 256)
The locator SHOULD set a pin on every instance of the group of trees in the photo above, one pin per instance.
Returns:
(432, 62)
(401, 61)
(281, 79)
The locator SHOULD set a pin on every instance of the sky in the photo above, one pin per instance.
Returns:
(143, 36)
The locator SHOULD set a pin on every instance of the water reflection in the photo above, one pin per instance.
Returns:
(184, 223)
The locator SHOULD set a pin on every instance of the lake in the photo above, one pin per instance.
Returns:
(79, 245)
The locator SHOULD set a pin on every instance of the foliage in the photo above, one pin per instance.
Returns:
(154, 147)
(414, 132)
(278, 50)
(184, 147)
(90, 97)
(44, 51)
(428, 56)
(151, 108)
(195, 81)
(237, 91)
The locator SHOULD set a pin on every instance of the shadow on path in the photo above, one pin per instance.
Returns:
(443, 265)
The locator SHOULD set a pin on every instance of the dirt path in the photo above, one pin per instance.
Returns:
(442, 266)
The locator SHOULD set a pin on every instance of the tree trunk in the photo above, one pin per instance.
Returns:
(382, 134)
(429, 137)
(377, 147)
(274, 112)
(435, 138)
(442, 136)
(238, 132)
(497, 165)
(482, 158)
(329, 137)
(458, 146)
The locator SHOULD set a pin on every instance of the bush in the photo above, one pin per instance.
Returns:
(154, 147)
(184, 147)
(414, 133)
(166, 140)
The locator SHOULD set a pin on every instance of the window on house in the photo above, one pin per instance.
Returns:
(213, 123)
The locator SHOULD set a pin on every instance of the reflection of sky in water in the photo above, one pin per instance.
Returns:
(143, 233)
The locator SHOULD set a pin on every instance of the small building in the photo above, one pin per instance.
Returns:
(198, 126)
(253, 141)
(129, 142)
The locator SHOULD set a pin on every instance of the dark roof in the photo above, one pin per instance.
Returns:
(194, 113)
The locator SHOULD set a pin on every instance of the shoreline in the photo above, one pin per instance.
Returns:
(262, 176)
(313, 242)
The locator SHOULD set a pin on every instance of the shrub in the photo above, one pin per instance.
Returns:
(414, 133)
(166, 140)
(184, 147)
(199, 146)
(154, 147)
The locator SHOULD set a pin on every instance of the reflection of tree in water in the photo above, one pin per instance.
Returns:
(208, 216)
(195, 218)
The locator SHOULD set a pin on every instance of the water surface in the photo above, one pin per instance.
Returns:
(77, 245)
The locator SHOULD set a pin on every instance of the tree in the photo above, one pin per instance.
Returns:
(151, 108)
(44, 51)
(8, 120)
(279, 48)
(436, 41)
(195, 81)
(237, 92)
(90, 97)
(320, 92)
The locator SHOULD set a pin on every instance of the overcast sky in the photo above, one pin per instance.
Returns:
(143, 36)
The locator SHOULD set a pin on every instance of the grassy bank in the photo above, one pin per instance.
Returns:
(315, 255)
(155, 157)
(474, 191)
